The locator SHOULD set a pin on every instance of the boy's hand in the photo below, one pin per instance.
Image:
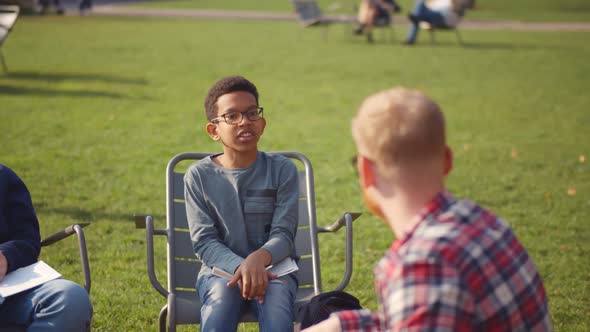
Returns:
(253, 275)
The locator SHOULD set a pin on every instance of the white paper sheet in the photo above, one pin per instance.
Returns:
(26, 278)
(281, 268)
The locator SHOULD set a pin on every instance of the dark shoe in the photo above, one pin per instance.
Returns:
(60, 11)
(413, 18)
(397, 8)
(359, 29)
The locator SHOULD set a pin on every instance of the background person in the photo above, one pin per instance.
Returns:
(374, 12)
(438, 13)
(454, 266)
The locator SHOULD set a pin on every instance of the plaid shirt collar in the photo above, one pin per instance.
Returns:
(437, 205)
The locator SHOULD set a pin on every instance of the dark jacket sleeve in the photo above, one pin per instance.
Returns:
(20, 240)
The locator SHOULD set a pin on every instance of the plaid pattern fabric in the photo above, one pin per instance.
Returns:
(460, 269)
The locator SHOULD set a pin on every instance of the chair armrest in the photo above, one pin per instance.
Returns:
(345, 220)
(74, 229)
(147, 221)
(339, 223)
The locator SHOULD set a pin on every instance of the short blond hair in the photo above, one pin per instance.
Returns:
(399, 127)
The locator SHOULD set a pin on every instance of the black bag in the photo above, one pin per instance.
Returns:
(321, 306)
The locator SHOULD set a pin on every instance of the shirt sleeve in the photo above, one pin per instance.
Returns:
(23, 243)
(360, 320)
(281, 239)
(427, 295)
(207, 244)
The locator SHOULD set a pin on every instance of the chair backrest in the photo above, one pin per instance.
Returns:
(183, 266)
(8, 15)
(307, 11)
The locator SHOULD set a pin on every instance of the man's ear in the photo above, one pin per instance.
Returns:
(448, 160)
(366, 172)
(211, 129)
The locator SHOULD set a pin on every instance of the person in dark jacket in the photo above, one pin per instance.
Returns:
(57, 305)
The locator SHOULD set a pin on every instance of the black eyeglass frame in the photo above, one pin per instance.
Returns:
(259, 114)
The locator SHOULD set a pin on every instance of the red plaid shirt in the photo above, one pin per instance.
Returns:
(460, 269)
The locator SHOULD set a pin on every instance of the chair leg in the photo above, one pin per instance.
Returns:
(325, 32)
(392, 37)
(3, 62)
(459, 39)
(163, 314)
(431, 30)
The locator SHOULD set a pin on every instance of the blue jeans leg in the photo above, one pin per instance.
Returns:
(57, 305)
(277, 311)
(221, 305)
(422, 13)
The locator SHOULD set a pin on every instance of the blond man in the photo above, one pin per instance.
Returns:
(454, 266)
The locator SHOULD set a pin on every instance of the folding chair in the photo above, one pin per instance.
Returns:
(385, 24)
(431, 29)
(183, 305)
(309, 14)
(70, 230)
(8, 16)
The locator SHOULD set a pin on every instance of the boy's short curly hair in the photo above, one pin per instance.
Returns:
(224, 86)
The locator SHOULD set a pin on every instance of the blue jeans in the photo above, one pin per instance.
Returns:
(57, 305)
(222, 305)
(423, 13)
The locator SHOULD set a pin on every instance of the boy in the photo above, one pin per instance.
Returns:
(242, 213)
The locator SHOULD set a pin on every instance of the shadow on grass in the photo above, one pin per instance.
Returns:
(486, 45)
(89, 216)
(23, 91)
(59, 77)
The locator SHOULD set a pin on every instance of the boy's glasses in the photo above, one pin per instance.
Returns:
(233, 118)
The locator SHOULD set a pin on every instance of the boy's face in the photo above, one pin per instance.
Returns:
(242, 136)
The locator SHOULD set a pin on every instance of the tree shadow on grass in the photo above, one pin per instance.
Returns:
(81, 215)
(59, 77)
(25, 91)
(489, 45)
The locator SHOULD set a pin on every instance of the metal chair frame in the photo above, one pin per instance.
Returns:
(8, 16)
(70, 230)
(183, 305)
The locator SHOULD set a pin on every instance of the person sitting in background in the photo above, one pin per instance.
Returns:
(437, 13)
(85, 7)
(45, 5)
(374, 12)
(454, 265)
(57, 305)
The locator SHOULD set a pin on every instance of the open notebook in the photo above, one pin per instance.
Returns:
(281, 268)
(26, 278)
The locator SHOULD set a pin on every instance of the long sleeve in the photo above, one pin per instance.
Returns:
(206, 236)
(234, 212)
(20, 240)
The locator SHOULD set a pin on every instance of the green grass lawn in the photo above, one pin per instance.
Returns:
(526, 10)
(93, 108)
